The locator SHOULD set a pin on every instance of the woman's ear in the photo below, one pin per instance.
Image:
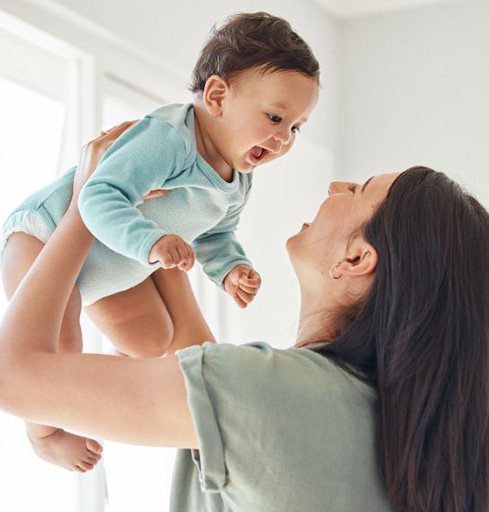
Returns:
(361, 259)
(215, 91)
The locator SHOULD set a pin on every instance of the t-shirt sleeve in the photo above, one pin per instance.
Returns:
(239, 400)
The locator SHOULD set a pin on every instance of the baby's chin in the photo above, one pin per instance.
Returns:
(244, 167)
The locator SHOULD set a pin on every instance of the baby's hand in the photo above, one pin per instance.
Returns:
(172, 251)
(242, 283)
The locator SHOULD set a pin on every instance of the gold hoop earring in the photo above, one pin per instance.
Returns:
(333, 271)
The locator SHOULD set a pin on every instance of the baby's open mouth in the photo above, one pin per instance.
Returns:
(258, 153)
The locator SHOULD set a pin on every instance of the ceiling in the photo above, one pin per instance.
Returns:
(351, 8)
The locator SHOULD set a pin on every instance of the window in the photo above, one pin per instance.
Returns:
(138, 478)
(35, 110)
(42, 118)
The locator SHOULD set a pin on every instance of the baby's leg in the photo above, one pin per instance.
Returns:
(190, 326)
(54, 445)
(156, 317)
(136, 321)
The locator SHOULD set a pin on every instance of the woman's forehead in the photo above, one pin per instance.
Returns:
(380, 183)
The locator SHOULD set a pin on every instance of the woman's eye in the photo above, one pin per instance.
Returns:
(295, 129)
(352, 188)
(274, 118)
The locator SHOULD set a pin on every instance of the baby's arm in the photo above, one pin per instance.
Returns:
(138, 162)
(224, 260)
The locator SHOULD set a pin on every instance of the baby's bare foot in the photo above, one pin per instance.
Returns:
(72, 452)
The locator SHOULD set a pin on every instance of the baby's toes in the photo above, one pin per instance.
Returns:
(94, 447)
(92, 459)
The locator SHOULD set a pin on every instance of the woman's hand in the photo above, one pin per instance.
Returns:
(91, 153)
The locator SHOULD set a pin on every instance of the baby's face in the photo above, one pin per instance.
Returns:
(262, 114)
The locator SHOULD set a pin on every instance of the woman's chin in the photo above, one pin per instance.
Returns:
(289, 244)
(292, 248)
(293, 240)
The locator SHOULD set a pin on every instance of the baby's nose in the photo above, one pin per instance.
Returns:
(284, 136)
(275, 146)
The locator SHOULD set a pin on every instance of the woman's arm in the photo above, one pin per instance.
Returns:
(126, 400)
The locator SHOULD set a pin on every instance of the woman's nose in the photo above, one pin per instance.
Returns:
(334, 188)
(338, 187)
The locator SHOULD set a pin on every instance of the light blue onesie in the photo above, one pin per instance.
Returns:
(158, 152)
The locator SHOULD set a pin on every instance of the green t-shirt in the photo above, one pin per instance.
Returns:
(279, 431)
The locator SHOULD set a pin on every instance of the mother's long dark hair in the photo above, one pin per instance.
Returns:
(421, 337)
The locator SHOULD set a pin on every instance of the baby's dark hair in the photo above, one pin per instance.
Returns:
(252, 40)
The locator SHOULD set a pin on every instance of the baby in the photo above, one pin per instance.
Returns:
(255, 83)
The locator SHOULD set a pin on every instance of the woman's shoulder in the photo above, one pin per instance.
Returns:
(259, 363)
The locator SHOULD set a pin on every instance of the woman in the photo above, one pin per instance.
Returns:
(382, 405)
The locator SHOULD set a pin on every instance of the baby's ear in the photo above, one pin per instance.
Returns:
(214, 93)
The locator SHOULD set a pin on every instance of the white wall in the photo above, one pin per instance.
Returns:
(415, 91)
(172, 33)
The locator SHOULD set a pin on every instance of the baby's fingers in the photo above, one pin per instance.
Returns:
(168, 259)
(187, 258)
(185, 265)
(239, 301)
(245, 297)
(246, 287)
(251, 281)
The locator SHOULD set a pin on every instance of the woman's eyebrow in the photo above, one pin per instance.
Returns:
(364, 186)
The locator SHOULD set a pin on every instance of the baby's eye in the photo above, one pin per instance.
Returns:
(352, 188)
(295, 129)
(274, 118)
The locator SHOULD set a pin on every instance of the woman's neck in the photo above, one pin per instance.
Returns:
(315, 320)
